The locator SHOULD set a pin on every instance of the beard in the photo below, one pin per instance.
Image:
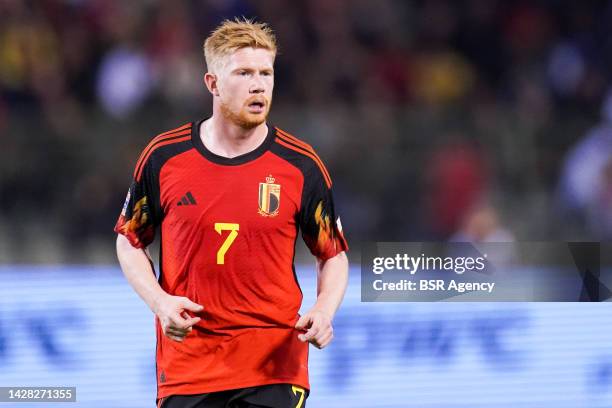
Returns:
(243, 118)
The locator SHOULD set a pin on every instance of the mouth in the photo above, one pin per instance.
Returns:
(256, 106)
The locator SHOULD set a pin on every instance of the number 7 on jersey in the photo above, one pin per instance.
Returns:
(224, 226)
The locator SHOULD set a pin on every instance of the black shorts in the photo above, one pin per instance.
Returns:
(269, 396)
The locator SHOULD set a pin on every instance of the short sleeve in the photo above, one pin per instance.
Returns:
(321, 227)
(140, 215)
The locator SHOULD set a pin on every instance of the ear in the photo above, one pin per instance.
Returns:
(211, 83)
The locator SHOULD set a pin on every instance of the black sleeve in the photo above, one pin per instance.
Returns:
(321, 227)
(141, 213)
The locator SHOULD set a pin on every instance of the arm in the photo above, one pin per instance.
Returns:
(171, 310)
(332, 279)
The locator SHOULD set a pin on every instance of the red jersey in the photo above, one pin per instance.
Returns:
(228, 231)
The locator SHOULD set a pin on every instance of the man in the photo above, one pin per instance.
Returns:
(228, 195)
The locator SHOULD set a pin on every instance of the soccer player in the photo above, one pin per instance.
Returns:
(229, 195)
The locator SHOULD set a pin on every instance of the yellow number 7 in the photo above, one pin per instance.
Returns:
(224, 226)
(296, 391)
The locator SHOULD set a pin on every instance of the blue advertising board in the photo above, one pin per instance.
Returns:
(84, 327)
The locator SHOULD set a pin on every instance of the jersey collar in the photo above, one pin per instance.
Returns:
(233, 161)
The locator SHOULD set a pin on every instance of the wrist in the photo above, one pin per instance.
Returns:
(324, 311)
(157, 301)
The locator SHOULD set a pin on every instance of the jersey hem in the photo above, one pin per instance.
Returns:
(194, 390)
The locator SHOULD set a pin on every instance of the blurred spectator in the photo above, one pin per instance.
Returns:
(600, 214)
(457, 176)
(584, 188)
(124, 81)
(482, 224)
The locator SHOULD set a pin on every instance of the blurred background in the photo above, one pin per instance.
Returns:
(475, 120)
(435, 118)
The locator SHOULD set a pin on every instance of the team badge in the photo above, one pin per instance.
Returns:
(269, 197)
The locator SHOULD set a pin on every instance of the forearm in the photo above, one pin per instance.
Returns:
(137, 269)
(331, 283)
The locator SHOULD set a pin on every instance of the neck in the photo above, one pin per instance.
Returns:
(229, 140)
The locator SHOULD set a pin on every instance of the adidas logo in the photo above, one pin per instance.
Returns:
(187, 199)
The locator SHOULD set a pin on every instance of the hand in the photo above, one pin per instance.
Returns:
(172, 313)
(318, 328)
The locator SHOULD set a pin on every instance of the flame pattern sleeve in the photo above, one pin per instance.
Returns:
(138, 219)
(320, 225)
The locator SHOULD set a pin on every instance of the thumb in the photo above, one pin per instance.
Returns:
(303, 322)
(191, 306)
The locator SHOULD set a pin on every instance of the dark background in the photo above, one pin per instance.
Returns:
(470, 120)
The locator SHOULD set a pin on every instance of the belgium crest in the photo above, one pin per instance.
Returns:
(269, 197)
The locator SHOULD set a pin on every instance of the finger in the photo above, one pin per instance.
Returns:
(178, 332)
(191, 306)
(328, 341)
(324, 341)
(175, 338)
(179, 322)
(194, 320)
(312, 333)
(176, 321)
(319, 337)
(323, 332)
(319, 342)
(317, 328)
(303, 322)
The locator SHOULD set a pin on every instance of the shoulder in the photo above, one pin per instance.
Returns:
(164, 145)
(300, 154)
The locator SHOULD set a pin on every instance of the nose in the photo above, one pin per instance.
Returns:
(257, 86)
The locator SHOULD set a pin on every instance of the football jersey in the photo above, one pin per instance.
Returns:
(228, 229)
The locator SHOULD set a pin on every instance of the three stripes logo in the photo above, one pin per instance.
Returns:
(187, 199)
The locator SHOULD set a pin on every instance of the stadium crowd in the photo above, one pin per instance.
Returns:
(437, 118)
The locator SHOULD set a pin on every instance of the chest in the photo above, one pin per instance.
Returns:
(259, 196)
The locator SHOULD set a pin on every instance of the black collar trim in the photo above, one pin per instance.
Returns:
(227, 161)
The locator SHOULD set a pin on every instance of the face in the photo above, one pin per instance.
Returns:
(244, 86)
